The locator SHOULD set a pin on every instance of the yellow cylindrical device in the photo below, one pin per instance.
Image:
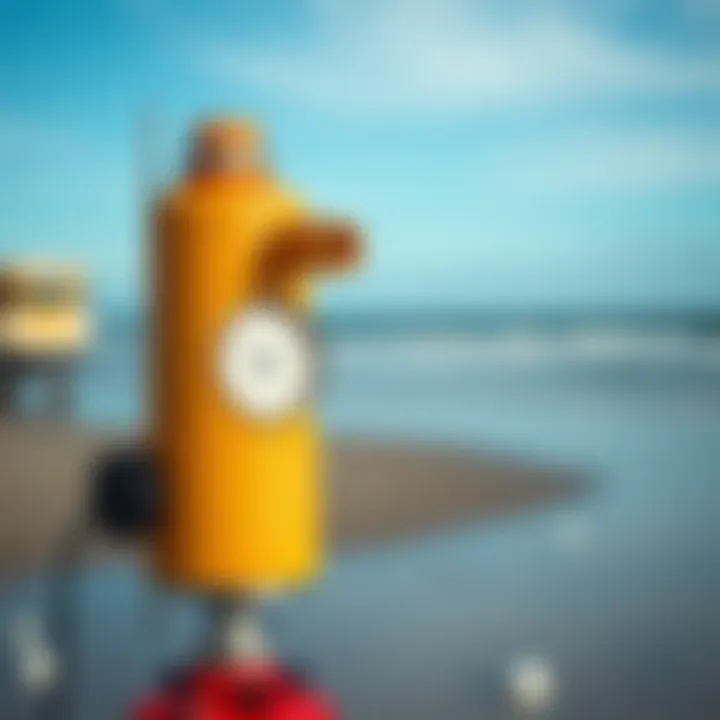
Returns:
(236, 445)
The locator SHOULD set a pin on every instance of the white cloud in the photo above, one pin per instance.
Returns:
(623, 162)
(453, 55)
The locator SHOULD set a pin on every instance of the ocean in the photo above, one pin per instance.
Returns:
(616, 595)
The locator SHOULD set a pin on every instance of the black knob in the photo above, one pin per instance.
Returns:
(126, 498)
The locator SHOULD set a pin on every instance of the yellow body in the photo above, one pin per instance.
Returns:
(242, 497)
(43, 311)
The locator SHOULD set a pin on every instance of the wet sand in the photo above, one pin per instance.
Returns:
(382, 494)
(379, 492)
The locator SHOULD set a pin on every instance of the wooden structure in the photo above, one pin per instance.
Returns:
(44, 330)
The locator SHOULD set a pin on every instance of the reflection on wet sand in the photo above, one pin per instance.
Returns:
(381, 493)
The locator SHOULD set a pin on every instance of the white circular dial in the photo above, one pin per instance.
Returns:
(266, 362)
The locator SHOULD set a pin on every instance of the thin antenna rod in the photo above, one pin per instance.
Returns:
(148, 160)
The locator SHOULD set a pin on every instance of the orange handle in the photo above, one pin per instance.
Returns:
(313, 247)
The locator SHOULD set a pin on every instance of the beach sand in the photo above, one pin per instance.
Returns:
(379, 492)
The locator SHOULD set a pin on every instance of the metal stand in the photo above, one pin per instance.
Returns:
(63, 611)
(58, 375)
(238, 679)
(8, 388)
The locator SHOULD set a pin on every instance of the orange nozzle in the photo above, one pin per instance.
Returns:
(313, 247)
(226, 147)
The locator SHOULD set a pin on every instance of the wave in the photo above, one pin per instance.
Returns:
(528, 349)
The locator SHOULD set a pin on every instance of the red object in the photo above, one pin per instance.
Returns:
(267, 692)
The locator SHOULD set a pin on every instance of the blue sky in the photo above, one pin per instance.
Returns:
(514, 152)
